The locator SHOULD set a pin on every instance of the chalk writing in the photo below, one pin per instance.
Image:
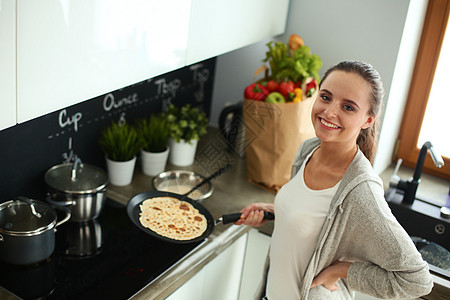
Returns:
(65, 120)
(109, 102)
(122, 121)
(198, 74)
(166, 102)
(164, 88)
(69, 156)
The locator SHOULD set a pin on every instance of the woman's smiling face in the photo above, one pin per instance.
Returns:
(341, 108)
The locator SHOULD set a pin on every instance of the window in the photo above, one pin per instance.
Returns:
(427, 112)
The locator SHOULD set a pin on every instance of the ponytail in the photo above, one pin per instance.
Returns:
(367, 141)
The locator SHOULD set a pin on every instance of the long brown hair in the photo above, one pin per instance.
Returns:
(367, 138)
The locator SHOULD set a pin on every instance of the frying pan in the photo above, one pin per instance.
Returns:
(133, 211)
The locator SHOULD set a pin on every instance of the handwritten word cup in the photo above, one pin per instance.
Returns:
(65, 120)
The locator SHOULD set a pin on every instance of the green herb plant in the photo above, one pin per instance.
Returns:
(292, 65)
(186, 123)
(120, 142)
(155, 132)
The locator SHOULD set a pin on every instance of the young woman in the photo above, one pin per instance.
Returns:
(334, 232)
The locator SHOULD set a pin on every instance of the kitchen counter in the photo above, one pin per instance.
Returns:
(232, 191)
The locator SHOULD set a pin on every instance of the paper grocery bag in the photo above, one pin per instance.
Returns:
(274, 132)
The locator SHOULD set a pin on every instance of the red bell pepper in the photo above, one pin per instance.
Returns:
(311, 88)
(256, 91)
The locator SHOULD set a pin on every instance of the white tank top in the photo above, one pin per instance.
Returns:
(300, 214)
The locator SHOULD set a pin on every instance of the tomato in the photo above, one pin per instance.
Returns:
(272, 86)
(286, 88)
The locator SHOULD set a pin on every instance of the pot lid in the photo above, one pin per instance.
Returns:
(78, 178)
(17, 217)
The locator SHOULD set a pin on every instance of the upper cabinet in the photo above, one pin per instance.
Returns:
(7, 63)
(222, 26)
(69, 51)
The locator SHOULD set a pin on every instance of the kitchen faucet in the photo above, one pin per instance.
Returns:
(410, 187)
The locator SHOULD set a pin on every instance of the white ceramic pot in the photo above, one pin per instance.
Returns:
(120, 173)
(154, 163)
(182, 153)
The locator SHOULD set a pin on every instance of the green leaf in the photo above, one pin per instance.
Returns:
(186, 123)
(120, 142)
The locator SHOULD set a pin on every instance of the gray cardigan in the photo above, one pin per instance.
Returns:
(360, 228)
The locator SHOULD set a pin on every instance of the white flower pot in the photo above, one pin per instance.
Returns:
(120, 173)
(154, 163)
(181, 153)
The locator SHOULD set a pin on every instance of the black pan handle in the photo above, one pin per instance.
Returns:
(214, 175)
(231, 218)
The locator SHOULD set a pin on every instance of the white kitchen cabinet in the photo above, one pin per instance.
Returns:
(7, 63)
(192, 289)
(255, 258)
(69, 51)
(220, 279)
(221, 26)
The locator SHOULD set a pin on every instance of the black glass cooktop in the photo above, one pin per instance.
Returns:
(107, 258)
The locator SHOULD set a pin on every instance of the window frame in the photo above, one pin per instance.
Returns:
(433, 33)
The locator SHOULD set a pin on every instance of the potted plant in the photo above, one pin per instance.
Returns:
(186, 125)
(155, 133)
(120, 143)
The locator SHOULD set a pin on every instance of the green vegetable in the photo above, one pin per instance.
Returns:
(296, 66)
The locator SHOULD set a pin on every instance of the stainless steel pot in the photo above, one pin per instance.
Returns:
(79, 186)
(27, 231)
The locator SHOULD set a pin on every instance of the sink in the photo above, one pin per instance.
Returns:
(422, 220)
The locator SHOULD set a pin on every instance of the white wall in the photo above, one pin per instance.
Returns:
(336, 30)
(234, 71)
(400, 83)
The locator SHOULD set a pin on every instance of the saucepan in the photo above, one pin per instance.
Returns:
(134, 211)
(78, 186)
(27, 230)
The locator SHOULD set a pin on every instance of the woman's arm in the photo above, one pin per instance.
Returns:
(386, 264)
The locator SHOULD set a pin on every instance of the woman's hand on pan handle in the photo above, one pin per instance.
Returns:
(253, 215)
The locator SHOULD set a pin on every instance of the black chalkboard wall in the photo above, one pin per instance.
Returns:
(27, 150)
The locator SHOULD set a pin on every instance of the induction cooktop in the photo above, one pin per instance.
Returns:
(106, 258)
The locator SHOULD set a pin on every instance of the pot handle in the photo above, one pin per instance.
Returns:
(66, 218)
(28, 201)
(61, 206)
(59, 203)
